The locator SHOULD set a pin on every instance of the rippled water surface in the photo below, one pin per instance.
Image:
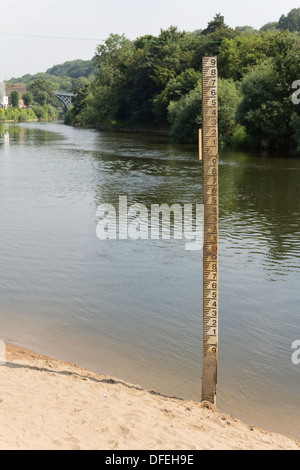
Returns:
(133, 309)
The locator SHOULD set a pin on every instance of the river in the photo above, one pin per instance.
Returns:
(132, 309)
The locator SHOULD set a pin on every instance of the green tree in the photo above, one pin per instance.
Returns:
(46, 112)
(239, 54)
(27, 98)
(246, 29)
(114, 60)
(271, 26)
(174, 90)
(185, 115)
(216, 23)
(229, 95)
(42, 97)
(83, 110)
(42, 85)
(73, 69)
(287, 60)
(261, 111)
(209, 42)
(15, 96)
(291, 21)
(159, 60)
(78, 101)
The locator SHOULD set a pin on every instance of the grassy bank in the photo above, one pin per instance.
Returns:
(36, 113)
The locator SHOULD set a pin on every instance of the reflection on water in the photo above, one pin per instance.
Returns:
(133, 309)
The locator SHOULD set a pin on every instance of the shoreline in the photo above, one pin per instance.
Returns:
(134, 130)
(4, 121)
(47, 404)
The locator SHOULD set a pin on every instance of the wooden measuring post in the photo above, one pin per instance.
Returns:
(210, 160)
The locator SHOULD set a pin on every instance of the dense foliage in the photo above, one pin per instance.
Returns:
(41, 88)
(155, 82)
(15, 96)
(36, 113)
(63, 77)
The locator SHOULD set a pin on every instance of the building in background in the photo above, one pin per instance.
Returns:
(3, 96)
(4, 102)
(20, 88)
(16, 86)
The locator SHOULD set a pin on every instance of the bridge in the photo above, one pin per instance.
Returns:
(65, 97)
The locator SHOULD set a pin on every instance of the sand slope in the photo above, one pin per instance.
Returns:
(47, 404)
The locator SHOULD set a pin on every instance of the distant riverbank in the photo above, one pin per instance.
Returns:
(128, 129)
(135, 130)
(33, 114)
(12, 120)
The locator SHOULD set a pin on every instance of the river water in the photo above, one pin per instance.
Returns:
(133, 308)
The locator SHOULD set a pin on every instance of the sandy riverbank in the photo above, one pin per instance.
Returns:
(48, 404)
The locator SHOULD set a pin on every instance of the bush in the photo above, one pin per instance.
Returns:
(239, 138)
(45, 113)
(68, 118)
(185, 115)
(22, 115)
(52, 112)
(40, 112)
(265, 109)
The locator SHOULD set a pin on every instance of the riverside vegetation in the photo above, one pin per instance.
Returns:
(36, 113)
(40, 91)
(154, 83)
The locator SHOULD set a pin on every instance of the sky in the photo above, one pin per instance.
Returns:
(74, 28)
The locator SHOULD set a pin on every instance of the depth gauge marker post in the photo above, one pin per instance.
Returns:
(210, 159)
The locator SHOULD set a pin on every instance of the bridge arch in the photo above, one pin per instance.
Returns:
(65, 97)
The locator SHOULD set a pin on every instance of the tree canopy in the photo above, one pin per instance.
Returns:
(291, 21)
(15, 96)
(63, 77)
(42, 90)
(154, 81)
